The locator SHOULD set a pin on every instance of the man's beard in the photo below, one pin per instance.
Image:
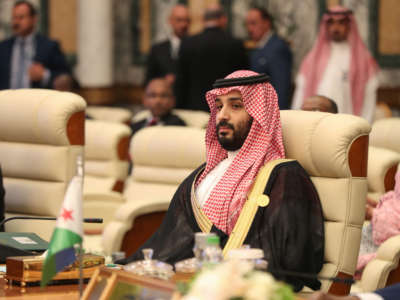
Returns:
(239, 135)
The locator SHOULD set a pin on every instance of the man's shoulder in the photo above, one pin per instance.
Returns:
(172, 119)
(44, 40)
(161, 45)
(277, 43)
(7, 41)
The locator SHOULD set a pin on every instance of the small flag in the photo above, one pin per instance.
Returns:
(68, 232)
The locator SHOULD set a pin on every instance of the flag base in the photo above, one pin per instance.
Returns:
(23, 270)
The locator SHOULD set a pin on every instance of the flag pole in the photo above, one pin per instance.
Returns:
(80, 257)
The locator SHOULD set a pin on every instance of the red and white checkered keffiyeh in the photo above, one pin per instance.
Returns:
(263, 144)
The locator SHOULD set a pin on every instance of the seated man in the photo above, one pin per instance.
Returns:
(320, 103)
(282, 214)
(159, 99)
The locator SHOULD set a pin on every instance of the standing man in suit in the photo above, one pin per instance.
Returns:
(205, 57)
(28, 59)
(163, 56)
(271, 55)
(160, 101)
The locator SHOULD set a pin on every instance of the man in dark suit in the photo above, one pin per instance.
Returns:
(161, 61)
(205, 57)
(28, 59)
(271, 55)
(158, 98)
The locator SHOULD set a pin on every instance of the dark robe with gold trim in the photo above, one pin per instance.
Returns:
(290, 229)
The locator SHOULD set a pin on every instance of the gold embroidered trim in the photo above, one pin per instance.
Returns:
(202, 220)
(255, 199)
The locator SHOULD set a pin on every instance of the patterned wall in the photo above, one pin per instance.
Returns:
(296, 21)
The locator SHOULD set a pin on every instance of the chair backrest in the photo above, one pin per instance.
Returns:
(41, 135)
(192, 118)
(382, 168)
(385, 133)
(110, 114)
(333, 149)
(106, 156)
(162, 157)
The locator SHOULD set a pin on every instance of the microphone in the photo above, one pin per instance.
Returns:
(85, 220)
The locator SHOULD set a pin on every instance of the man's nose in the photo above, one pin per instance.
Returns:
(223, 114)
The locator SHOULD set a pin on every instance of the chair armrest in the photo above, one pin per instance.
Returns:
(124, 221)
(384, 267)
(382, 167)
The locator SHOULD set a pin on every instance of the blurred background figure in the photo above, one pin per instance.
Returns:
(28, 59)
(320, 103)
(205, 57)
(158, 98)
(163, 56)
(385, 223)
(339, 66)
(271, 54)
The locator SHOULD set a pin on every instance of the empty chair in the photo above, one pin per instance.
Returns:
(192, 118)
(162, 157)
(110, 114)
(41, 135)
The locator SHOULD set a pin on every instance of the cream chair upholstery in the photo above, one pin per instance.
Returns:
(41, 135)
(333, 149)
(384, 269)
(162, 157)
(192, 118)
(382, 167)
(110, 114)
(106, 156)
(385, 133)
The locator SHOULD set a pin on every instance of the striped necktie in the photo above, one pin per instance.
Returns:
(21, 64)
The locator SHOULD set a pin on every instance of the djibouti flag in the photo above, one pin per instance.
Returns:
(68, 232)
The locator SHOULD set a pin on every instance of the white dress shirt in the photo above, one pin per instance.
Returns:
(204, 189)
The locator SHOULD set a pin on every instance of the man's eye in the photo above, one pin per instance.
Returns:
(236, 106)
(219, 107)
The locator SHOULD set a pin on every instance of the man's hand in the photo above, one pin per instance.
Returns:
(323, 296)
(36, 72)
(369, 208)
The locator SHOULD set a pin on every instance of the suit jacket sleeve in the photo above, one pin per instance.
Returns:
(50, 55)
(280, 72)
(152, 66)
(390, 293)
(181, 84)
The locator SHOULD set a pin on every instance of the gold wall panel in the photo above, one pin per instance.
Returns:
(389, 24)
(63, 23)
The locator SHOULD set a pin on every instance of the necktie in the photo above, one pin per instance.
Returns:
(152, 122)
(21, 65)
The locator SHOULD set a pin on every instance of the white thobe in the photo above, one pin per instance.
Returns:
(335, 84)
(204, 189)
